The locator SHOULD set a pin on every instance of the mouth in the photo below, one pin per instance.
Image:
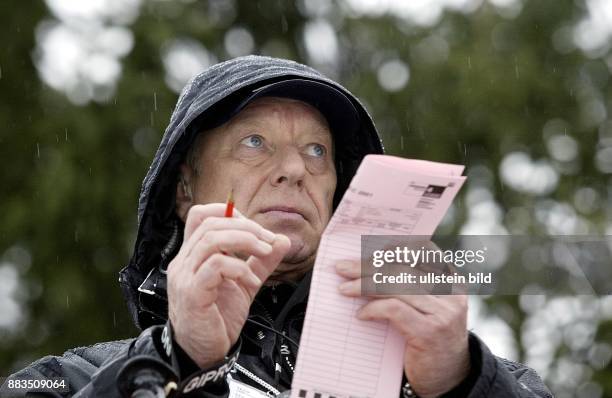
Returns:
(284, 212)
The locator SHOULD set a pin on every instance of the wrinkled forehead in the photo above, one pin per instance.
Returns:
(283, 110)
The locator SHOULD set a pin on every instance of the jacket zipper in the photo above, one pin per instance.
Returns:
(271, 390)
(284, 348)
(285, 352)
(256, 379)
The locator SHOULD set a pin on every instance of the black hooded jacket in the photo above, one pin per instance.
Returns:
(268, 343)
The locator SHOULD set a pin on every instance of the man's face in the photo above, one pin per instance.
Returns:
(276, 156)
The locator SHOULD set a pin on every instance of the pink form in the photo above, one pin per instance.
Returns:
(341, 356)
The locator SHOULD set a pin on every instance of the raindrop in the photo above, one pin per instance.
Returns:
(554, 127)
(66, 131)
(469, 62)
(57, 138)
(67, 302)
(143, 141)
(516, 69)
(402, 142)
(155, 100)
(599, 355)
(37, 150)
(76, 235)
(0, 72)
(114, 319)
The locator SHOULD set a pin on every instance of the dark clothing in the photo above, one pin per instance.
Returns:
(93, 371)
(268, 344)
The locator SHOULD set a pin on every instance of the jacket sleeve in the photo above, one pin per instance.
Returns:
(491, 376)
(126, 367)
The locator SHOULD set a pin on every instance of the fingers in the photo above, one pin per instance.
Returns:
(400, 315)
(199, 213)
(248, 275)
(219, 267)
(424, 303)
(406, 319)
(214, 223)
(397, 307)
(349, 268)
(263, 266)
(228, 241)
(208, 233)
(418, 314)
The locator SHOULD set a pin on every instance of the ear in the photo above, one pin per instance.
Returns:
(184, 192)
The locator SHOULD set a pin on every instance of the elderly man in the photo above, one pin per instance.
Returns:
(221, 300)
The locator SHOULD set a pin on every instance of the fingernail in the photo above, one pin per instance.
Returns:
(283, 237)
(344, 287)
(361, 315)
(268, 236)
(265, 247)
(343, 266)
(255, 281)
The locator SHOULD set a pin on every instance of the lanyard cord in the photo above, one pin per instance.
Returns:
(283, 335)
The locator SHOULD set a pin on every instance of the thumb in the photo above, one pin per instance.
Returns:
(265, 265)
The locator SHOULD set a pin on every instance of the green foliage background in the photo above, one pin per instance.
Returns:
(71, 174)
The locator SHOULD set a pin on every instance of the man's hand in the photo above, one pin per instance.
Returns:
(209, 289)
(436, 358)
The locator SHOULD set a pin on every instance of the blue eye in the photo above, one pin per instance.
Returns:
(316, 150)
(253, 141)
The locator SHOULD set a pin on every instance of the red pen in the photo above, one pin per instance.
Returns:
(229, 210)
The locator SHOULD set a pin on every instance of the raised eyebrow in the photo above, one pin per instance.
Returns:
(322, 133)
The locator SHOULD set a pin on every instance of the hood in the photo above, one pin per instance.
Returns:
(160, 231)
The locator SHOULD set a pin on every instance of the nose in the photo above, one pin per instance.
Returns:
(289, 168)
